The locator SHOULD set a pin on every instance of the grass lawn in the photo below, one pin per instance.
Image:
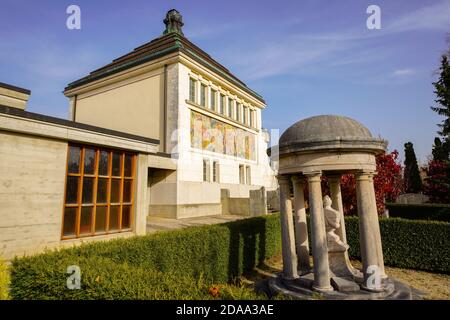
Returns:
(434, 286)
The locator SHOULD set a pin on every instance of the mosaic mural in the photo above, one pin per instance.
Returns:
(217, 136)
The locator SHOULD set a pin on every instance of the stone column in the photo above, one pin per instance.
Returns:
(377, 230)
(369, 231)
(287, 230)
(318, 234)
(336, 197)
(300, 225)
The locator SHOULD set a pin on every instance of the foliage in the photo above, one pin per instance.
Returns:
(4, 281)
(437, 183)
(195, 263)
(442, 91)
(412, 244)
(426, 211)
(165, 265)
(411, 175)
(441, 150)
(388, 183)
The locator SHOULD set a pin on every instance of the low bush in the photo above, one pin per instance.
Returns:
(426, 211)
(185, 264)
(423, 245)
(4, 281)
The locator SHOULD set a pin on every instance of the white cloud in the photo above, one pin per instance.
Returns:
(403, 72)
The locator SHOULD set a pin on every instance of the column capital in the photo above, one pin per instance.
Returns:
(283, 179)
(334, 177)
(297, 179)
(313, 175)
(365, 174)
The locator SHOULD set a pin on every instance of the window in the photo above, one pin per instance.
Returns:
(213, 99)
(241, 174)
(215, 171)
(192, 86)
(222, 104)
(206, 170)
(252, 118)
(248, 175)
(99, 195)
(230, 108)
(203, 95)
(238, 111)
(245, 117)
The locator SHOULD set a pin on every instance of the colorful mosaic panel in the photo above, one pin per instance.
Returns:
(217, 136)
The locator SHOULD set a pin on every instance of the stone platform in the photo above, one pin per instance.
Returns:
(344, 289)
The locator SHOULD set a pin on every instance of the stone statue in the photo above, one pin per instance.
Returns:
(173, 22)
(332, 222)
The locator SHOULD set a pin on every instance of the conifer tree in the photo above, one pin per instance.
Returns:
(411, 175)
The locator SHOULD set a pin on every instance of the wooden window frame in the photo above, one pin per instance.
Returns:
(79, 204)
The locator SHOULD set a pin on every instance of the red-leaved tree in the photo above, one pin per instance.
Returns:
(388, 183)
(437, 183)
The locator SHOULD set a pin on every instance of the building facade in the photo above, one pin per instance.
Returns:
(163, 131)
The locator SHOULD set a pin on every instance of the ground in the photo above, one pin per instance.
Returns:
(432, 286)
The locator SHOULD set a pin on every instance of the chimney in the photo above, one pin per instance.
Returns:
(14, 97)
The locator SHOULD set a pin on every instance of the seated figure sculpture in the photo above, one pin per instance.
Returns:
(332, 222)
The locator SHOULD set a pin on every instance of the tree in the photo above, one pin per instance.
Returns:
(442, 91)
(437, 183)
(411, 175)
(388, 183)
(441, 150)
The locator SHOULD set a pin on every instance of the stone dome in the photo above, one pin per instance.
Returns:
(329, 132)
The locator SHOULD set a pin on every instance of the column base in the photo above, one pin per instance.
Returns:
(322, 289)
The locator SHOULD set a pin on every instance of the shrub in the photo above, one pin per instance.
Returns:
(4, 281)
(164, 265)
(437, 212)
(423, 245)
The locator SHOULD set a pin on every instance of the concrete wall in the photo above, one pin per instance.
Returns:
(32, 175)
(134, 105)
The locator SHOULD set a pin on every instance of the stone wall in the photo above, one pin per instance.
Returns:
(32, 177)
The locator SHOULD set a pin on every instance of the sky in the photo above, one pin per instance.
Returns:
(305, 58)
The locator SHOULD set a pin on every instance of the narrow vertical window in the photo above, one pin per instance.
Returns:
(192, 86)
(245, 117)
(248, 175)
(99, 192)
(230, 108)
(212, 102)
(252, 118)
(215, 171)
(203, 95)
(241, 174)
(222, 104)
(238, 112)
(206, 169)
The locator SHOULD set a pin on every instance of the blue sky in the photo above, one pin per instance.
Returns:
(304, 57)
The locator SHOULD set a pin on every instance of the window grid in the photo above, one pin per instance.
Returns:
(92, 203)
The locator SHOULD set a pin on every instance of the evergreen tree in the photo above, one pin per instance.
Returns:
(442, 91)
(441, 150)
(411, 175)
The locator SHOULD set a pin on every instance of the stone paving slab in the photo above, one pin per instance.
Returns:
(163, 224)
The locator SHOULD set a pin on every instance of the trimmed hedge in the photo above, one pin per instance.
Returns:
(164, 265)
(426, 211)
(423, 245)
(4, 281)
(181, 264)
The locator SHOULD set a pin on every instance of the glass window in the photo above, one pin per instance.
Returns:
(252, 118)
(248, 175)
(205, 170)
(215, 171)
(103, 163)
(192, 85)
(245, 115)
(238, 112)
(98, 201)
(213, 99)
(241, 174)
(222, 104)
(74, 159)
(203, 95)
(230, 108)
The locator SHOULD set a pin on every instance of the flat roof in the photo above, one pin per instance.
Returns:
(11, 87)
(68, 123)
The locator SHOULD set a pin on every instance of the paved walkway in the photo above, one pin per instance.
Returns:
(162, 224)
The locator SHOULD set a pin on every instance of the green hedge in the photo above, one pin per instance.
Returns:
(426, 211)
(164, 265)
(423, 245)
(181, 264)
(4, 281)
